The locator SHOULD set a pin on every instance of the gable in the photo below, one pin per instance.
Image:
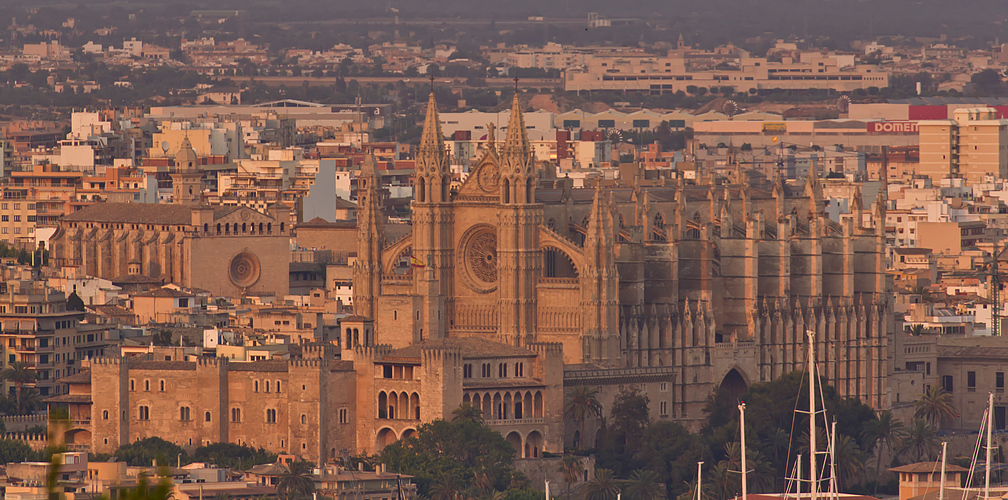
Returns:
(483, 181)
(240, 215)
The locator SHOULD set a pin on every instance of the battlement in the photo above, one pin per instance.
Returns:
(371, 352)
(108, 361)
(546, 347)
(308, 363)
(37, 441)
(430, 356)
(202, 362)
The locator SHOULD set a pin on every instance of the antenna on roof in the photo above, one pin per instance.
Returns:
(431, 83)
(516, 81)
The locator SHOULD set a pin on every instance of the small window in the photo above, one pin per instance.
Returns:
(236, 415)
(970, 381)
(206, 416)
(105, 415)
(304, 419)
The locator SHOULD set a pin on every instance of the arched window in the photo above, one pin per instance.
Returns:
(281, 227)
(244, 227)
(206, 227)
(694, 232)
(260, 227)
(105, 415)
(444, 189)
(507, 191)
(269, 227)
(528, 191)
(422, 190)
(206, 416)
(218, 228)
(658, 228)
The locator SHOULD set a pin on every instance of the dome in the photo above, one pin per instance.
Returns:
(185, 159)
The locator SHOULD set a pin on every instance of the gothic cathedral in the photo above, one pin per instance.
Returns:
(708, 283)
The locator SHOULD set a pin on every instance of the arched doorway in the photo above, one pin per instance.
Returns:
(533, 445)
(516, 442)
(733, 384)
(385, 437)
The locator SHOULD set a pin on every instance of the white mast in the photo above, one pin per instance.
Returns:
(832, 462)
(813, 486)
(990, 420)
(798, 466)
(941, 487)
(741, 409)
(699, 480)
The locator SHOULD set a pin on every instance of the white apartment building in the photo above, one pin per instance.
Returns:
(645, 72)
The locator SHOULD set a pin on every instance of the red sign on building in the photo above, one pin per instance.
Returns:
(902, 127)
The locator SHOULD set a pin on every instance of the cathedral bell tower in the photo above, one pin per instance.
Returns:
(518, 222)
(187, 178)
(433, 222)
(367, 271)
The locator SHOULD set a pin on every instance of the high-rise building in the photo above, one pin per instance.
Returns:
(971, 145)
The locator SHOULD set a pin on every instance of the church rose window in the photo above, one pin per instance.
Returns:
(482, 257)
(244, 270)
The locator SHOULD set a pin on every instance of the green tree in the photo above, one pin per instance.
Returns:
(882, 433)
(163, 338)
(463, 450)
(571, 468)
(935, 405)
(582, 403)
(920, 440)
(850, 460)
(644, 485)
(19, 374)
(603, 486)
(13, 451)
(296, 482)
(630, 418)
(146, 451)
(672, 451)
(466, 411)
(233, 456)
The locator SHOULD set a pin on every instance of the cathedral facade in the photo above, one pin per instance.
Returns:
(224, 250)
(710, 284)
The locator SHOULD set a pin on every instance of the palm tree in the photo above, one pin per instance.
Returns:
(581, 404)
(571, 469)
(850, 460)
(466, 411)
(603, 486)
(934, 405)
(19, 374)
(447, 487)
(917, 330)
(296, 482)
(644, 485)
(920, 440)
(884, 432)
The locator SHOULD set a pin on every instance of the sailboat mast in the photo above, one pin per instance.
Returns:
(990, 420)
(813, 486)
(832, 462)
(699, 480)
(745, 487)
(941, 487)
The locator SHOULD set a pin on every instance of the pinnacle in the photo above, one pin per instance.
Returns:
(516, 139)
(432, 140)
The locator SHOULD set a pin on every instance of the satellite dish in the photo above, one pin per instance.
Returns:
(164, 146)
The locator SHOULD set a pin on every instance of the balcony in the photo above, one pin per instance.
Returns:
(81, 423)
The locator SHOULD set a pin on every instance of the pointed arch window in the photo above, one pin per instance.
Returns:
(658, 228)
(694, 230)
(422, 190)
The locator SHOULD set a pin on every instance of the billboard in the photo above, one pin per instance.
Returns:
(774, 127)
(900, 127)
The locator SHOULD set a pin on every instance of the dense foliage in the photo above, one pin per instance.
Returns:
(452, 457)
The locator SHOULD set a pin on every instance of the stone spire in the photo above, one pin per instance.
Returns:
(432, 149)
(370, 240)
(433, 177)
(516, 141)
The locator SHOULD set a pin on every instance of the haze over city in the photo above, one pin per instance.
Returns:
(718, 250)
